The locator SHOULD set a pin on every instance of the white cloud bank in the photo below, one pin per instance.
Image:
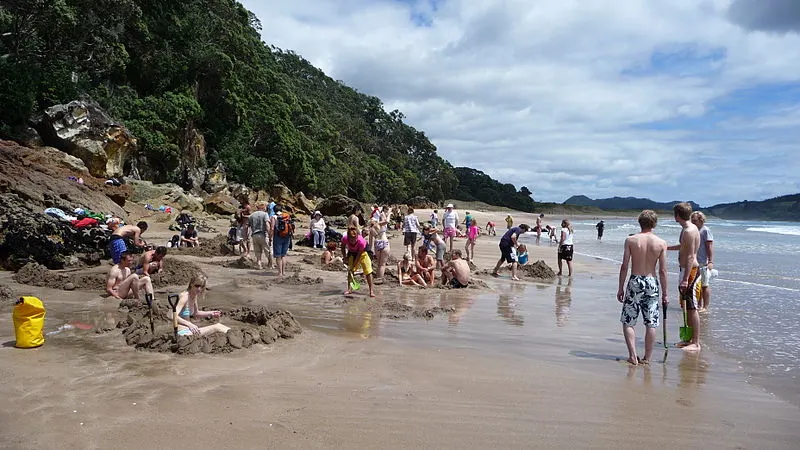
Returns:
(561, 95)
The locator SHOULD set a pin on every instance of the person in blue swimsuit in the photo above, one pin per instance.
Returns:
(188, 308)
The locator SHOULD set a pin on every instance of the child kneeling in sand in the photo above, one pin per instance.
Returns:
(188, 308)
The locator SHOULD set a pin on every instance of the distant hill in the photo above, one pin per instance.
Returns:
(786, 207)
(623, 203)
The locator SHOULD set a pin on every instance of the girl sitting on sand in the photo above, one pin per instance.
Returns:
(407, 273)
(188, 308)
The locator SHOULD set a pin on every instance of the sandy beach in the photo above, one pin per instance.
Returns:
(529, 364)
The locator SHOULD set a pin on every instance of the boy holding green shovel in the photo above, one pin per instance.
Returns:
(643, 251)
(354, 254)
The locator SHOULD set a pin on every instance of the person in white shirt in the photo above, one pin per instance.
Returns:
(450, 223)
(565, 246)
(318, 229)
(410, 231)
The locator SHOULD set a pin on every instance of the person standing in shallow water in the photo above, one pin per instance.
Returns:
(689, 278)
(565, 249)
(354, 253)
(705, 257)
(642, 253)
(600, 226)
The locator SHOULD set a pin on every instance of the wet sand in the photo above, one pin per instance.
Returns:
(514, 365)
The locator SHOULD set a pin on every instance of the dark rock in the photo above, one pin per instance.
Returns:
(193, 159)
(222, 204)
(216, 179)
(421, 203)
(338, 205)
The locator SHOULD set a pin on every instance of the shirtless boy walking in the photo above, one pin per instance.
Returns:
(643, 251)
(689, 285)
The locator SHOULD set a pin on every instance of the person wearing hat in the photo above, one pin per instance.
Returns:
(317, 228)
(450, 223)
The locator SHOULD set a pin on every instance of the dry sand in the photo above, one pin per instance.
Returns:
(338, 389)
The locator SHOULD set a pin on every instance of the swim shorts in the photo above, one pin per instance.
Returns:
(455, 284)
(694, 292)
(705, 276)
(565, 252)
(409, 238)
(450, 232)
(280, 246)
(440, 249)
(381, 245)
(641, 295)
(363, 261)
(116, 246)
(184, 332)
(507, 252)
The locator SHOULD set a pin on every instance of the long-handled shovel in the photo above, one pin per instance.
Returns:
(664, 324)
(173, 302)
(685, 331)
(149, 299)
(354, 285)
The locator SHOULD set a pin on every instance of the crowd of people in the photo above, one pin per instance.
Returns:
(268, 231)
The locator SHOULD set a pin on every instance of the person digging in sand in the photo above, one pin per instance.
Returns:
(354, 252)
(643, 251)
(507, 244)
(456, 272)
(188, 307)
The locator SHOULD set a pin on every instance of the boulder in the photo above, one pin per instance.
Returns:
(216, 179)
(65, 160)
(282, 195)
(421, 203)
(338, 205)
(84, 130)
(40, 177)
(36, 237)
(303, 204)
(165, 194)
(221, 204)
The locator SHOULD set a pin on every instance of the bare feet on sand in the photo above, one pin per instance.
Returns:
(692, 348)
(372, 294)
(633, 361)
(495, 274)
(515, 278)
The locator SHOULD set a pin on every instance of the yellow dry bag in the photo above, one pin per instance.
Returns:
(28, 322)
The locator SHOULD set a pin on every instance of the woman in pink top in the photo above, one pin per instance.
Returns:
(354, 253)
(472, 236)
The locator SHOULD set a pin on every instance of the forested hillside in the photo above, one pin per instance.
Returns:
(476, 185)
(786, 207)
(160, 66)
(624, 203)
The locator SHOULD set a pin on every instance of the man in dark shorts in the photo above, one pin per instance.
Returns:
(456, 272)
(189, 236)
(507, 244)
(600, 226)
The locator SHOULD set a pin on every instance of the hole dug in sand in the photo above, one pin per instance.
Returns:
(249, 325)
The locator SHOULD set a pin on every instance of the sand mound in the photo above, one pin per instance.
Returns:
(296, 280)
(249, 325)
(242, 263)
(176, 272)
(216, 246)
(6, 293)
(539, 269)
(397, 311)
(38, 275)
(335, 266)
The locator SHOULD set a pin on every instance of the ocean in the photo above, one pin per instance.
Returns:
(755, 300)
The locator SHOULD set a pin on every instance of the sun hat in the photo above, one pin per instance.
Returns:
(449, 205)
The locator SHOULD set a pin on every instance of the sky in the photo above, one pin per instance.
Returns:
(664, 99)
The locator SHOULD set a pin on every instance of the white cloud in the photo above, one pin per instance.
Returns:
(557, 95)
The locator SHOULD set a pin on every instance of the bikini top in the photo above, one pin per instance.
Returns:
(185, 313)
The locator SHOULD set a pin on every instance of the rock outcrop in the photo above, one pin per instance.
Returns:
(193, 159)
(165, 194)
(216, 179)
(221, 203)
(84, 130)
(338, 205)
(421, 203)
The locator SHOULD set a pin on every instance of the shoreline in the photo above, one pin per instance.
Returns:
(514, 364)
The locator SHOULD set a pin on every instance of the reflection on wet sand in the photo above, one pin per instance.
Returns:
(692, 370)
(563, 301)
(506, 308)
(461, 304)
